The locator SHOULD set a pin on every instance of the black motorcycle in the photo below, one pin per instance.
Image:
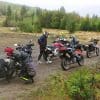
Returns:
(26, 48)
(23, 67)
(92, 48)
(6, 69)
(68, 57)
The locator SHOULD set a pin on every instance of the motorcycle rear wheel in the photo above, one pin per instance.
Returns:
(88, 54)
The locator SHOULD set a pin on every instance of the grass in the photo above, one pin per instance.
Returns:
(82, 36)
(54, 87)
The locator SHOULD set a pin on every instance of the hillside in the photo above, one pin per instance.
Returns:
(4, 5)
(14, 7)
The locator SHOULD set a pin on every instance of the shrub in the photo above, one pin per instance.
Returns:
(37, 28)
(8, 23)
(80, 85)
(25, 27)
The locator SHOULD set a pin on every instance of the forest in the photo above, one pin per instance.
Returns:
(33, 19)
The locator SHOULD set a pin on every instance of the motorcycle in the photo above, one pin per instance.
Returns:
(26, 48)
(51, 52)
(23, 68)
(68, 57)
(17, 65)
(6, 69)
(92, 48)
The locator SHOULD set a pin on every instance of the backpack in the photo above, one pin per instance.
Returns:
(40, 40)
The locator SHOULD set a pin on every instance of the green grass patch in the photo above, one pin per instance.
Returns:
(82, 84)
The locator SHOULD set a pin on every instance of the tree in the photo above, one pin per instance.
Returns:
(23, 12)
(8, 16)
(72, 20)
(98, 26)
(63, 23)
(85, 24)
(94, 23)
(32, 17)
(71, 26)
(62, 9)
(46, 19)
(55, 20)
(16, 16)
(9, 12)
(36, 23)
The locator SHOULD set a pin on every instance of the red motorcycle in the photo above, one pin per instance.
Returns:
(69, 56)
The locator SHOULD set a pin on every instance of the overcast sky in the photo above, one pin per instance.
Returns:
(83, 7)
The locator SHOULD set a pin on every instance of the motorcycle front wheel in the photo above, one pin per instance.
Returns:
(97, 51)
(81, 60)
(65, 64)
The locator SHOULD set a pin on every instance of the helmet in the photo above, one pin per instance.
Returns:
(45, 33)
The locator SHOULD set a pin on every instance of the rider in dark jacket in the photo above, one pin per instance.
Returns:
(42, 41)
(73, 41)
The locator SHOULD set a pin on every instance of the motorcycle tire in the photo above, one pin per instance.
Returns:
(11, 69)
(65, 64)
(81, 61)
(97, 51)
(88, 54)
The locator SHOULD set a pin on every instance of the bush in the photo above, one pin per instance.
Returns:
(10, 23)
(25, 27)
(37, 28)
(80, 85)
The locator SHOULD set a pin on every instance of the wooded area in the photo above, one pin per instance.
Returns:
(30, 19)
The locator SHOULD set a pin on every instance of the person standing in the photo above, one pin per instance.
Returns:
(73, 41)
(42, 41)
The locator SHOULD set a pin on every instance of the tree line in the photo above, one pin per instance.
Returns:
(33, 20)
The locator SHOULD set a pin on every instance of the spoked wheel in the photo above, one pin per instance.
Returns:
(65, 64)
(97, 51)
(81, 61)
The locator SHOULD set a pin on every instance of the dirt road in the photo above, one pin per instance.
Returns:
(14, 89)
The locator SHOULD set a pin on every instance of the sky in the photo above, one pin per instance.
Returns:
(83, 7)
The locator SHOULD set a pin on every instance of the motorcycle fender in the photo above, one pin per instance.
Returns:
(78, 52)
